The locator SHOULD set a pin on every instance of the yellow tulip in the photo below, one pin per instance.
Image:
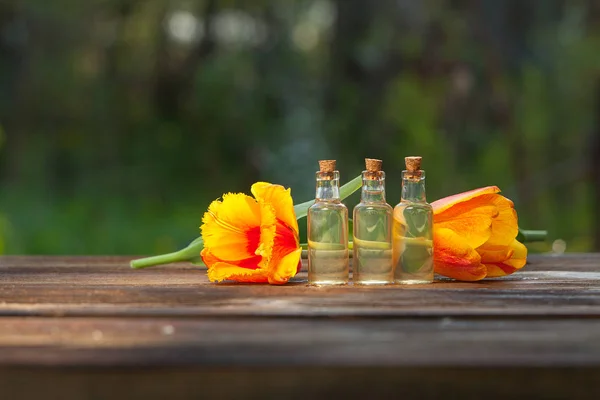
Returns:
(474, 235)
(252, 239)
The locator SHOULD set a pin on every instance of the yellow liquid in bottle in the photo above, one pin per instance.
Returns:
(328, 262)
(413, 243)
(372, 261)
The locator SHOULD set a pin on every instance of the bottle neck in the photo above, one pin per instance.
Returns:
(328, 186)
(413, 186)
(373, 188)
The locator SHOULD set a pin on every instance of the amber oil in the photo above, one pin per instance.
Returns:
(327, 230)
(372, 231)
(413, 229)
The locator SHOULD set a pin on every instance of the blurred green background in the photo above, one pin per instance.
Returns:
(120, 120)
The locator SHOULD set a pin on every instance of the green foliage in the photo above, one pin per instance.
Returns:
(121, 120)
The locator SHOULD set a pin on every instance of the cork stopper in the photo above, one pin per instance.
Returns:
(413, 167)
(327, 166)
(373, 165)
(413, 164)
(373, 168)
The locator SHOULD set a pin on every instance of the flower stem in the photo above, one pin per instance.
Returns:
(190, 253)
(525, 236)
(157, 260)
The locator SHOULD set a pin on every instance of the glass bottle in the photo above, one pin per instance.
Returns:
(413, 229)
(372, 262)
(328, 230)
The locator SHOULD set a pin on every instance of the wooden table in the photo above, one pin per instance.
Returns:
(90, 327)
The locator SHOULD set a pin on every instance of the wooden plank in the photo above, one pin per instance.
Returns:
(535, 334)
(299, 383)
(105, 286)
(91, 358)
(208, 342)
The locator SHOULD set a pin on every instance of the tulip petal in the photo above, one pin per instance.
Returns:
(281, 200)
(472, 220)
(517, 261)
(281, 267)
(442, 205)
(493, 254)
(505, 225)
(267, 233)
(222, 271)
(285, 268)
(209, 259)
(231, 228)
(454, 258)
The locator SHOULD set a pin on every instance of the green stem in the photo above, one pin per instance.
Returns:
(190, 253)
(158, 260)
(525, 236)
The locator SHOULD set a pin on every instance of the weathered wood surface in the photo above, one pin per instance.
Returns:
(534, 333)
(105, 286)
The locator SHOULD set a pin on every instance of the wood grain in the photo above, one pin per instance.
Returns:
(285, 342)
(90, 327)
(105, 286)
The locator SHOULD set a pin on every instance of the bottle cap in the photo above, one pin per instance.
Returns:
(413, 163)
(327, 166)
(373, 165)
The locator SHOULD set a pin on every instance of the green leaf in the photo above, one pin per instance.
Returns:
(197, 261)
(414, 257)
(417, 221)
(301, 209)
(346, 190)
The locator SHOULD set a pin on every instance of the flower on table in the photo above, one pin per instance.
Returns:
(474, 235)
(252, 239)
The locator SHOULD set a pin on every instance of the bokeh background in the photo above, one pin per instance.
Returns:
(120, 120)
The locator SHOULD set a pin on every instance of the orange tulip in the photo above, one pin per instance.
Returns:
(474, 235)
(250, 239)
